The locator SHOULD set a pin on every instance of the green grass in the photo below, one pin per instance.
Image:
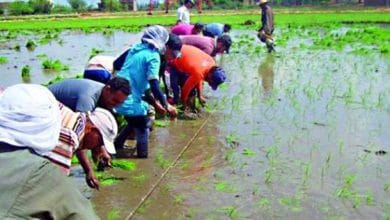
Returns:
(26, 70)
(133, 23)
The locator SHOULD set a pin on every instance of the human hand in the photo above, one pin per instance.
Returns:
(202, 100)
(91, 180)
(159, 108)
(172, 111)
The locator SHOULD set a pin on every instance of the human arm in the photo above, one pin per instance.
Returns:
(191, 83)
(90, 177)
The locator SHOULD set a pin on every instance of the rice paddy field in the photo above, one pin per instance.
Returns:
(302, 133)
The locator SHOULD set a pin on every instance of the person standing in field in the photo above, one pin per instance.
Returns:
(183, 12)
(267, 25)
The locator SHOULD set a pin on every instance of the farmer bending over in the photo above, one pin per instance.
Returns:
(190, 70)
(32, 187)
(141, 68)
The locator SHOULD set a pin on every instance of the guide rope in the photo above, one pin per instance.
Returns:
(151, 190)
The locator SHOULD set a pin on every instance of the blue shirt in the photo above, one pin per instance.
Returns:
(80, 95)
(215, 29)
(142, 64)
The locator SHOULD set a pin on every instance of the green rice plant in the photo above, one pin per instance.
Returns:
(142, 209)
(56, 65)
(223, 186)
(229, 155)
(232, 139)
(48, 37)
(123, 164)
(179, 199)
(161, 160)
(17, 47)
(3, 60)
(106, 179)
(161, 123)
(139, 178)
(336, 218)
(95, 51)
(292, 203)
(230, 211)
(26, 70)
(113, 214)
(387, 186)
(306, 173)
(31, 45)
(248, 152)
(264, 203)
(75, 160)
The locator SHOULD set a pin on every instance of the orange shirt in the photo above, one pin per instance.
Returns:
(197, 65)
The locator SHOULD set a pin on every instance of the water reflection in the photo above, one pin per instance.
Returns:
(266, 73)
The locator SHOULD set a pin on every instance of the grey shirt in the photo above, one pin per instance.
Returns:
(80, 95)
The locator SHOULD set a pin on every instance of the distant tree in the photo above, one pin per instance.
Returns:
(41, 6)
(111, 5)
(20, 8)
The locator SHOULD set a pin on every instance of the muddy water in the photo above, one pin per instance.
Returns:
(72, 48)
(294, 135)
(298, 134)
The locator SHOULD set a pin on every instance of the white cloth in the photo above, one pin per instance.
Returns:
(105, 61)
(29, 117)
(183, 15)
(157, 36)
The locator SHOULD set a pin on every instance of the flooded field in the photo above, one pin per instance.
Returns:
(72, 49)
(299, 134)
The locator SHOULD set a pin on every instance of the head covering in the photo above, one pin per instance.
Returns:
(189, 1)
(218, 76)
(174, 43)
(107, 126)
(106, 62)
(157, 36)
(226, 41)
(29, 117)
(263, 2)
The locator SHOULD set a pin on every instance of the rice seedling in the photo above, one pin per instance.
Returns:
(26, 72)
(223, 186)
(264, 203)
(292, 203)
(113, 214)
(3, 60)
(95, 51)
(75, 160)
(31, 45)
(123, 164)
(306, 173)
(55, 65)
(16, 47)
(232, 139)
(178, 199)
(248, 152)
(161, 123)
(387, 186)
(230, 211)
(106, 179)
(161, 160)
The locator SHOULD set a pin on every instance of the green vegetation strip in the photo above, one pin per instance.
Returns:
(132, 23)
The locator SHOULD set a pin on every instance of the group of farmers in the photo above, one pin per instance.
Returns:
(42, 128)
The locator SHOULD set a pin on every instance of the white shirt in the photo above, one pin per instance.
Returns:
(183, 14)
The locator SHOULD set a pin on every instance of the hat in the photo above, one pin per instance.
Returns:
(107, 126)
(226, 41)
(218, 76)
(174, 43)
(263, 2)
